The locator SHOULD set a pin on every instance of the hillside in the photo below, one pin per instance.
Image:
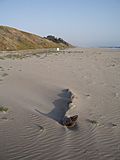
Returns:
(14, 39)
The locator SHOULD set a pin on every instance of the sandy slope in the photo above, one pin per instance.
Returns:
(34, 93)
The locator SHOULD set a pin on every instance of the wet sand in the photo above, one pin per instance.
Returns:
(33, 90)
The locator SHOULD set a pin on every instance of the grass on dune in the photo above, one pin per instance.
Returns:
(3, 109)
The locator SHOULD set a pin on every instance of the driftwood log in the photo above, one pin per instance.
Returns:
(70, 121)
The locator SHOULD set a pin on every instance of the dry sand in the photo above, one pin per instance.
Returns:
(33, 90)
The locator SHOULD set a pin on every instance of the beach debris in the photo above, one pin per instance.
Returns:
(70, 121)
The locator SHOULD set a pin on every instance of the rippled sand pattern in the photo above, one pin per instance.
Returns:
(32, 91)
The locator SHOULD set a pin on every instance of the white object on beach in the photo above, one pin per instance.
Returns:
(58, 49)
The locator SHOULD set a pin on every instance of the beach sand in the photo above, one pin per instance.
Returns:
(33, 90)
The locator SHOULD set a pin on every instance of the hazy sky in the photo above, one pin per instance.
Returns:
(80, 22)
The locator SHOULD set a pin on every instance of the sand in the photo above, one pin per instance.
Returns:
(33, 90)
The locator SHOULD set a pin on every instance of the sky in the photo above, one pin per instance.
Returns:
(84, 23)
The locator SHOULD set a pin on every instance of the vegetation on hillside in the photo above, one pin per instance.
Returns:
(14, 39)
(57, 40)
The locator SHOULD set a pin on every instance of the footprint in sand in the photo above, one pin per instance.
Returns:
(94, 122)
(4, 74)
(35, 127)
(91, 121)
(110, 124)
(40, 128)
(116, 95)
(4, 118)
(88, 96)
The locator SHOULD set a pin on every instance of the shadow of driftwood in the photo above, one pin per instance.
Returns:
(60, 107)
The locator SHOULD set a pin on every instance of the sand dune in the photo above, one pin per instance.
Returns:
(33, 91)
